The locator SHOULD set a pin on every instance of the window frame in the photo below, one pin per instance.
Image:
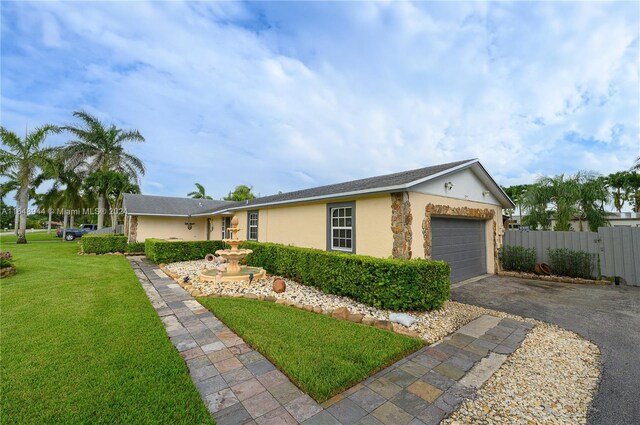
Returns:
(250, 226)
(330, 228)
(225, 229)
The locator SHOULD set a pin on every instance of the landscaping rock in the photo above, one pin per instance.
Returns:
(308, 307)
(549, 379)
(402, 318)
(356, 318)
(368, 321)
(196, 293)
(383, 324)
(281, 301)
(269, 298)
(279, 286)
(298, 305)
(399, 329)
(341, 313)
(317, 310)
(251, 296)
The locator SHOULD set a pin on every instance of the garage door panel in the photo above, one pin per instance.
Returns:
(461, 243)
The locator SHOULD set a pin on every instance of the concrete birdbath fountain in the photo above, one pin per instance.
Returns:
(234, 271)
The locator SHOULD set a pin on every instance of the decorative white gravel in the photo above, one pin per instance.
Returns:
(432, 325)
(549, 379)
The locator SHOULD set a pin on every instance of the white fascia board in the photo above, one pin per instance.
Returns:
(499, 192)
(159, 215)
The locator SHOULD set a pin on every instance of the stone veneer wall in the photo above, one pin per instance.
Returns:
(401, 220)
(133, 228)
(446, 210)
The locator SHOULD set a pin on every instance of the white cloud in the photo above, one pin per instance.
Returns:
(287, 96)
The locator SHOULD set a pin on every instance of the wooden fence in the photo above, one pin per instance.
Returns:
(617, 247)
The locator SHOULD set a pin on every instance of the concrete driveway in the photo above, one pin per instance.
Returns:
(609, 316)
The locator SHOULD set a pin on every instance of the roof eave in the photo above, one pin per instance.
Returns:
(377, 190)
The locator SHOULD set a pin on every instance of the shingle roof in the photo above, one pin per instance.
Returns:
(369, 183)
(167, 205)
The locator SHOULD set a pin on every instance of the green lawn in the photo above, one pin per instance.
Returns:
(82, 344)
(323, 356)
(31, 237)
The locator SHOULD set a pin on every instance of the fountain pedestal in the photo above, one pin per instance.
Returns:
(235, 272)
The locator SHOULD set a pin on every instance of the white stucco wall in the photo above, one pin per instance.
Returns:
(467, 186)
(171, 228)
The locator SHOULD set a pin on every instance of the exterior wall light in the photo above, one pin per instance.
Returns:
(485, 193)
(448, 186)
(189, 225)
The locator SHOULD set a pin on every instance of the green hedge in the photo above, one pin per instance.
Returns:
(518, 258)
(163, 251)
(135, 247)
(103, 243)
(566, 262)
(385, 283)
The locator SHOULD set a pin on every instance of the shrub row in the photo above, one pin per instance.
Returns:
(563, 261)
(566, 262)
(103, 243)
(163, 251)
(518, 258)
(135, 247)
(384, 283)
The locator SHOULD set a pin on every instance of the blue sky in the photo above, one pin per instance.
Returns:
(284, 96)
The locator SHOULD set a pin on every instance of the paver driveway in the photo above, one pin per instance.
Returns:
(609, 316)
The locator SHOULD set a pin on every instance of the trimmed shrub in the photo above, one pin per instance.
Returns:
(570, 263)
(103, 243)
(384, 283)
(135, 247)
(517, 258)
(163, 251)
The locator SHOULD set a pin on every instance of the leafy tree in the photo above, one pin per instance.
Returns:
(101, 148)
(200, 193)
(7, 213)
(25, 157)
(240, 193)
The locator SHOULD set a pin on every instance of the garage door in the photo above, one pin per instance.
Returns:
(461, 243)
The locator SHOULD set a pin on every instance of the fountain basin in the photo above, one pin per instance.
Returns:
(231, 276)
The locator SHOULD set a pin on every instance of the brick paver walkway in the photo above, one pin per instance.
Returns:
(240, 386)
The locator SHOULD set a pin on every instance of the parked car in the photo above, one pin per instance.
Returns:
(73, 233)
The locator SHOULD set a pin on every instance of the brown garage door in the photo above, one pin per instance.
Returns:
(462, 244)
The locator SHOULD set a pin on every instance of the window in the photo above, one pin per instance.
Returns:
(253, 225)
(226, 224)
(341, 227)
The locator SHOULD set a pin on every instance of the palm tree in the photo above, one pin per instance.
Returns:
(25, 157)
(101, 148)
(12, 183)
(536, 201)
(199, 193)
(66, 189)
(114, 185)
(593, 197)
